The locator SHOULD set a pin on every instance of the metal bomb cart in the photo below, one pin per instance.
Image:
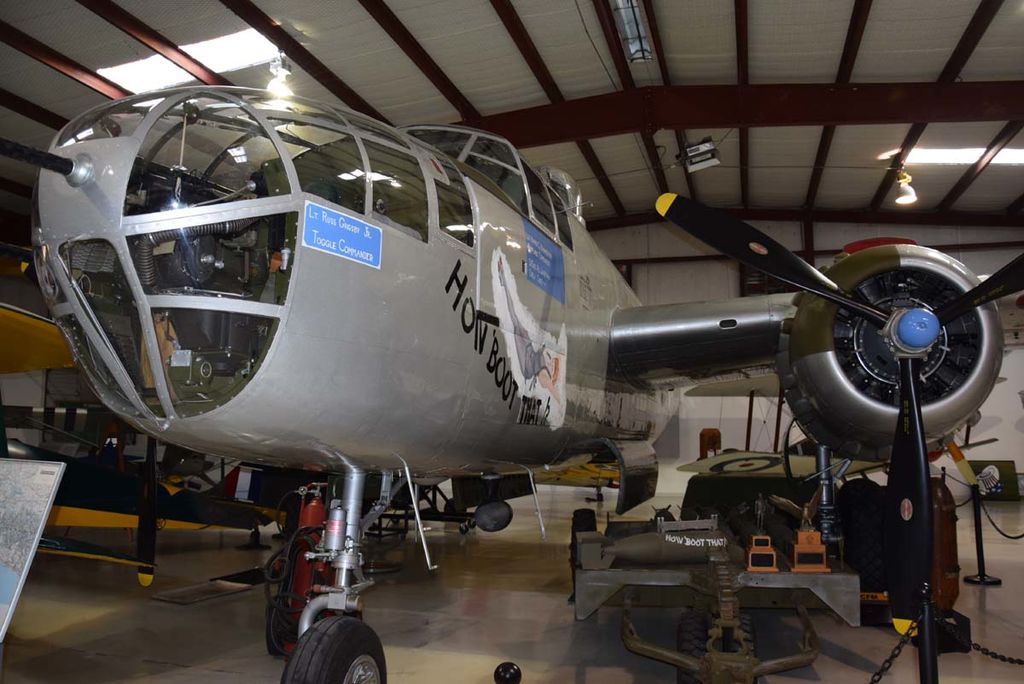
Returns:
(716, 561)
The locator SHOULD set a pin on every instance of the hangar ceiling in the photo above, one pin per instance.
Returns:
(768, 80)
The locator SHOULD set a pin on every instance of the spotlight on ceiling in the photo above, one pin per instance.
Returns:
(700, 156)
(905, 194)
(281, 69)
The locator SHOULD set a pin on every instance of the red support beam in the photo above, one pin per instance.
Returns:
(30, 110)
(659, 52)
(275, 33)
(896, 218)
(972, 35)
(691, 258)
(734, 106)
(119, 18)
(31, 47)
(521, 37)
(1002, 139)
(615, 47)
(15, 188)
(1016, 206)
(743, 78)
(854, 34)
(807, 234)
(414, 51)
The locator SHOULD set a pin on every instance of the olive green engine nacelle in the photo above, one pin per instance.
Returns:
(840, 376)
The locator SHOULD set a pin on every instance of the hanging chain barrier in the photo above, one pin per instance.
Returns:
(949, 629)
(974, 645)
(896, 650)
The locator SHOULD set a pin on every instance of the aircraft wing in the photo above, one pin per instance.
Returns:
(30, 342)
(763, 385)
(588, 475)
(72, 548)
(672, 345)
(765, 464)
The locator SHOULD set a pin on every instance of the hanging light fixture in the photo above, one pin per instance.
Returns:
(280, 68)
(905, 194)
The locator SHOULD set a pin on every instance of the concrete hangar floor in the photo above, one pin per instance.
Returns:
(495, 597)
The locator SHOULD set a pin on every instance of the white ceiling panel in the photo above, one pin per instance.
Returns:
(719, 185)
(699, 39)
(796, 42)
(474, 51)
(186, 21)
(1000, 53)
(74, 31)
(625, 161)
(348, 40)
(910, 40)
(43, 86)
(781, 159)
(569, 39)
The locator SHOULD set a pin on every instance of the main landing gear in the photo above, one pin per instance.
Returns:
(316, 615)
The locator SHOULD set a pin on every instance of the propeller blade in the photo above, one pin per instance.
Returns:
(145, 535)
(747, 244)
(1005, 281)
(907, 532)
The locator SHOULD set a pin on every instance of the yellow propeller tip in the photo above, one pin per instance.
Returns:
(145, 579)
(664, 202)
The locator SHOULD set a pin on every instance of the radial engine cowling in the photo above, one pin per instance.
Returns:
(839, 375)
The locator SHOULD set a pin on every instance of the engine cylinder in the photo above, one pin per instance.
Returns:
(841, 376)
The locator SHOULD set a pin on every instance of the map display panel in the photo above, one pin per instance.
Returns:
(27, 489)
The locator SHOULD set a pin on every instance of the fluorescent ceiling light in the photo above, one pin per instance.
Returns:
(957, 155)
(226, 53)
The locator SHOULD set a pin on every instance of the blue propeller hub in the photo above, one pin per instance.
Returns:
(916, 329)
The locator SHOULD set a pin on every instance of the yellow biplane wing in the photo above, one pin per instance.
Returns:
(30, 342)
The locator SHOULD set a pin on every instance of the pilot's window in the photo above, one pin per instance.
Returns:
(561, 220)
(539, 199)
(327, 162)
(449, 142)
(495, 149)
(398, 191)
(507, 179)
(454, 210)
(204, 150)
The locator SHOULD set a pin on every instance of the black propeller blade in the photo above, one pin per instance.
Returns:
(908, 504)
(145, 534)
(1005, 281)
(747, 244)
(908, 512)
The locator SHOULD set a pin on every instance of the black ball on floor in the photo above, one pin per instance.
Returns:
(507, 673)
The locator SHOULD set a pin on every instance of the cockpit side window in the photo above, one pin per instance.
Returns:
(448, 141)
(455, 211)
(398, 191)
(494, 149)
(506, 178)
(542, 211)
(327, 162)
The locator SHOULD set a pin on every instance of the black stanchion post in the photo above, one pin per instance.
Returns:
(981, 578)
(927, 646)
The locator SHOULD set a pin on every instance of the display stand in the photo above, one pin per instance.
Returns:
(981, 579)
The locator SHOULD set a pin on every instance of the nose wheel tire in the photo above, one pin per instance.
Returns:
(337, 650)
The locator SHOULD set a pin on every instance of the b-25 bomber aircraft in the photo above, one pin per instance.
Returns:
(296, 284)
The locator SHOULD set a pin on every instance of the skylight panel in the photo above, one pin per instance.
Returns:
(224, 54)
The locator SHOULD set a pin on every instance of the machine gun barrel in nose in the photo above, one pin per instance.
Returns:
(51, 162)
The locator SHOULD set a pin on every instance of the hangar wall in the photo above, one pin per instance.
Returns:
(662, 283)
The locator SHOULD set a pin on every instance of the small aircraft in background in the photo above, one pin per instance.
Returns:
(295, 284)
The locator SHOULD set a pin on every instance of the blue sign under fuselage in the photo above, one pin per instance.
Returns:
(331, 231)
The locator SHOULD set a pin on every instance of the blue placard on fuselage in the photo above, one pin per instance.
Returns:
(544, 265)
(331, 231)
